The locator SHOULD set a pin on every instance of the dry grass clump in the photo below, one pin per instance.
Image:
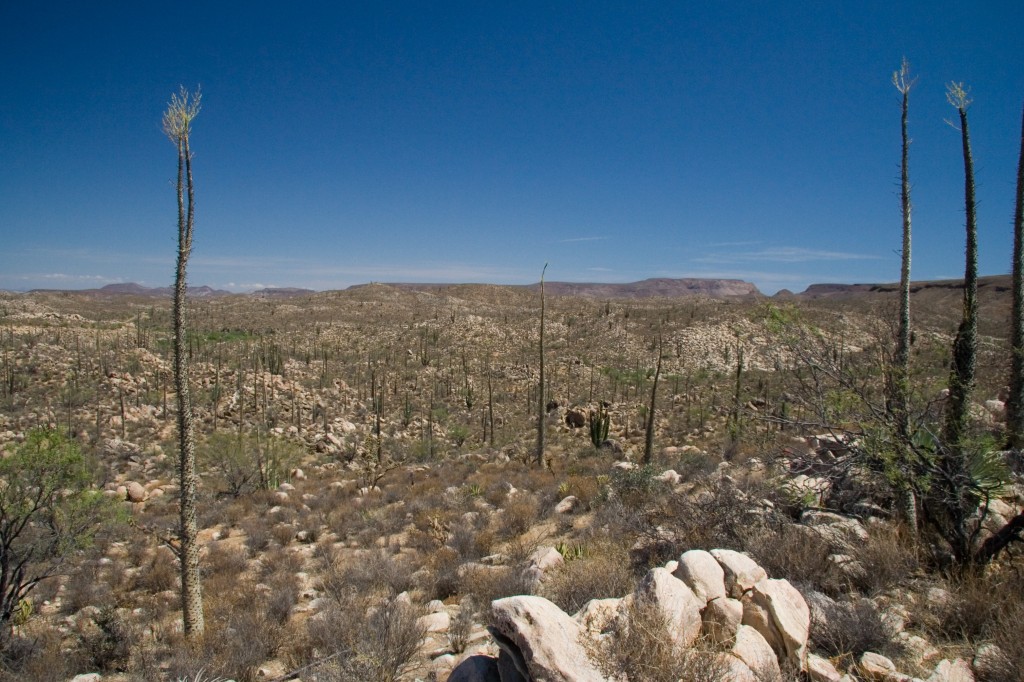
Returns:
(160, 573)
(379, 649)
(520, 512)
(791, 552)
(847, 630)
(244, 629)
(601, 570)
(87, 586)
(640, 649)
(39, 656)
(379, 570)
(110, 642)
(889, 557)
(586, 489)
(487, 583)
(971, 607)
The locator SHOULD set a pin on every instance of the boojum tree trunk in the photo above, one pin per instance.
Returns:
(178, 119)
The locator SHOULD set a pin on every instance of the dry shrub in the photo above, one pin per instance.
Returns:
(487, 583)
(283, 596)
(603, 571)
(257, 534)
(640, 649)
(850, 629)
(160, 573)
(239, 637)
(889, 557)
(85, 587)
(443, 571)
(978, 606)
(462, 626)
(224, 559)
(379, 649)
(37, 656)
(471, 542)
(792, 552)
(283, 533)
(110, 644)
(521, 511)
(379, 570)
(586, 489)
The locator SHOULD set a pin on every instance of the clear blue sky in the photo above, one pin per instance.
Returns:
(342, 143)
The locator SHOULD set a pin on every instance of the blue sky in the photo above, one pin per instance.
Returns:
(342, 143)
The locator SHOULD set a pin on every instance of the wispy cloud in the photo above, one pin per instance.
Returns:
(581, 239)
(782, 254)
(718, 245)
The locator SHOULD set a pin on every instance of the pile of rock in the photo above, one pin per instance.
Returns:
(720, 599)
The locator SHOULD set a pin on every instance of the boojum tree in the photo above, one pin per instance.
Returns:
(177, 123)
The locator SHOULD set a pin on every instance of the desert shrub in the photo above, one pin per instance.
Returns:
(283, 596)
(850, 629)
(602, 571)
(244, 464)
(224, 559)
(640, 649)
(788, 551)
(443, 573)
(695, 466)
(521, 511)
(462, 626)
(722, 516)
(85, 587)
(635, 488)
(38, 657)
(487, 583)
(235, 644)
(380, 649)
(586, 489)
(283, 533)
(285, 560)
(972, 607)
(109, 647)
(379, 570)
(257, 534)
(470, 541)
(160, 573)
(889, 557)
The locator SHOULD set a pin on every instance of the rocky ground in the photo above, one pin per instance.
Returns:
(369, 492)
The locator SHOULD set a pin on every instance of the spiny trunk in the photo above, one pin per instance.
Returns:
(191, 590)
(901, 374)
(961, 379)
(649, 434)
(1015, 403)
(540, 385)
(900, 408)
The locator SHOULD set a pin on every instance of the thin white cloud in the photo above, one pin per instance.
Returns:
(718, 245)
(783, 254)
(582, 239)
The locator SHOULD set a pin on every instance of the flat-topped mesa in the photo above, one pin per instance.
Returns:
(656, 287)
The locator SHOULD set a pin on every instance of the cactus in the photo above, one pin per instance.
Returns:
(599, 422)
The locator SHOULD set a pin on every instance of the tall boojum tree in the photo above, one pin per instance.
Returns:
(1015, 402)
(177, 124)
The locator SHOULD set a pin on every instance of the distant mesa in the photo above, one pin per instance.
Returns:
(282, 292)
(992, 285)
(648, 288)
(995, 284)
(657, 287)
